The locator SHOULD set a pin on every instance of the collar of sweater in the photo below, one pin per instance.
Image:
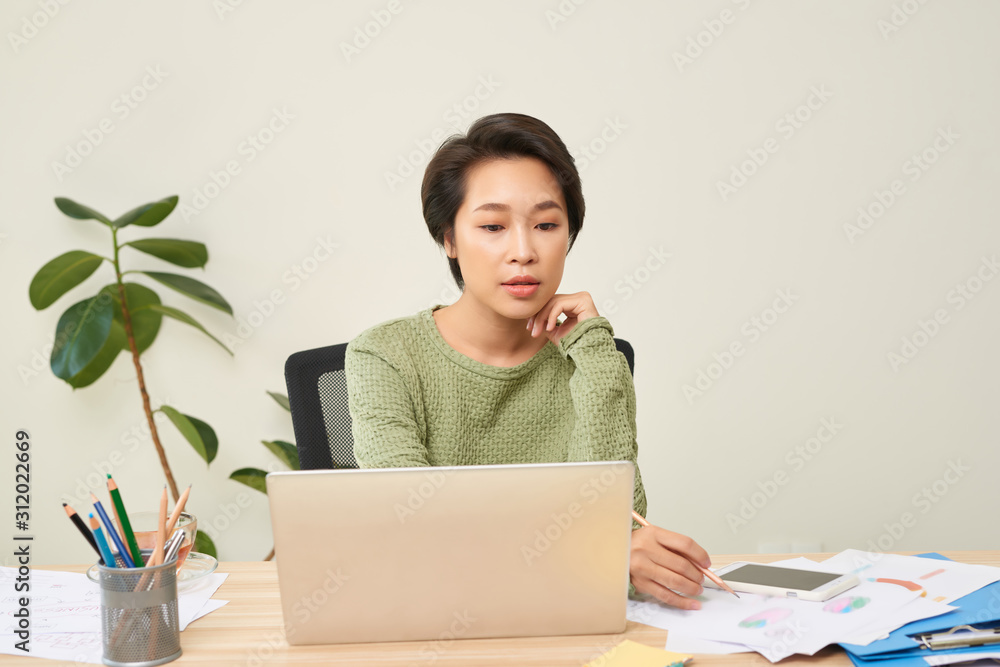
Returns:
(426, 319)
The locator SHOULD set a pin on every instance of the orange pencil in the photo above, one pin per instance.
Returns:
(178, 508)
(708, 573)
(157, 556)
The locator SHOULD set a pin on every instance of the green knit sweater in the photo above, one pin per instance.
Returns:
(416, 401)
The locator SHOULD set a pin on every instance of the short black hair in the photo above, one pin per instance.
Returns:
(496, 137)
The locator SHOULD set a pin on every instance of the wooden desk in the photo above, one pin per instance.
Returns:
(248, 631)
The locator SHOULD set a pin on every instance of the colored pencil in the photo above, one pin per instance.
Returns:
(126, 525)
(704, 570)
(178, 508)
(161, 537)
(102, 544)
(82, 527)
(112, 532)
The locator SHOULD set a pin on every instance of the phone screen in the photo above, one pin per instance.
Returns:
(780, 577)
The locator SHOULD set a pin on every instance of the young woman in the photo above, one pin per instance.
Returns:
(495, 377)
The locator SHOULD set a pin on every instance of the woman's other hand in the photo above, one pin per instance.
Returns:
(577, 308)
(660, 564)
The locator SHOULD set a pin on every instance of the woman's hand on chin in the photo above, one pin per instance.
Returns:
(577, 308)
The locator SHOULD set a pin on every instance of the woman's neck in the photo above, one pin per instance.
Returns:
(486, 336)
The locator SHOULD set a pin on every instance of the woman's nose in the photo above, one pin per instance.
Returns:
(522, 248)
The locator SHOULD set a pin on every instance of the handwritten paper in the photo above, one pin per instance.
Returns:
(66, 613)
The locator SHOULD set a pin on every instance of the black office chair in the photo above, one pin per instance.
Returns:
(317, 393)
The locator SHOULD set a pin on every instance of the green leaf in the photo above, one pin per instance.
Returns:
(195, 289)
(285, 451)
(147, 215)
(199, 434)
(187, 319)
(203, 544)
(281, 399)
(102, 362)
(79, 211)
(208, 437)
(252, 477)
(80, 335)
(145, 321)
(60, 276)
(189, 254)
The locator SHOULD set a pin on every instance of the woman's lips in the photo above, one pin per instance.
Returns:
(520, 289)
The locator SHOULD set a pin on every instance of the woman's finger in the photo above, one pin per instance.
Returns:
(683, 545)
(664, 594)
(677, 574)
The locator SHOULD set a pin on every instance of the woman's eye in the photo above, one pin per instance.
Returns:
(545, 226)
(491, 228)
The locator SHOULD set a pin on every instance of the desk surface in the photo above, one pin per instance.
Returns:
(248, 631)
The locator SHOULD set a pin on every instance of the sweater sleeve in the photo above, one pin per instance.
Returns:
(604, 401)
(383, 419)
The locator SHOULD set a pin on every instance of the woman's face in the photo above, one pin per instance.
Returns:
(511, 236)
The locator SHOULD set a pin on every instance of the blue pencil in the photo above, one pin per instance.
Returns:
(102, 544)
(113, 532)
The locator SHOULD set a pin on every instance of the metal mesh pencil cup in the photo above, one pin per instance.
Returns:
(139, 620)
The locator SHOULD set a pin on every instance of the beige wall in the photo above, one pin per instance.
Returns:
(808, 111)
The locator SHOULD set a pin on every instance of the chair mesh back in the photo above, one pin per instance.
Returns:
(317, 393)
(332, 387)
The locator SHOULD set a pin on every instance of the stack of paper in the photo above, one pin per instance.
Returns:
(779, 627)
(66, 613)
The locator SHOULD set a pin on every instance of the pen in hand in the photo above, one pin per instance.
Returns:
(708, 573)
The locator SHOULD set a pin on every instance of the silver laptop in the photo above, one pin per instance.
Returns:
(409, 554)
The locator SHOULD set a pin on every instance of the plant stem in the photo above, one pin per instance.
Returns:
(127, 318)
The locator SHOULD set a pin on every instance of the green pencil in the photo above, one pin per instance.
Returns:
(129, 536)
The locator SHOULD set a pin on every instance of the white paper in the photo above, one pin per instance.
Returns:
(66, 613)
(916, 610)
(209, 607)
(984, 658)
(941, 580)
(195, 595)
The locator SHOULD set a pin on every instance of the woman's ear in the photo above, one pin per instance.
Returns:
(449, 244)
